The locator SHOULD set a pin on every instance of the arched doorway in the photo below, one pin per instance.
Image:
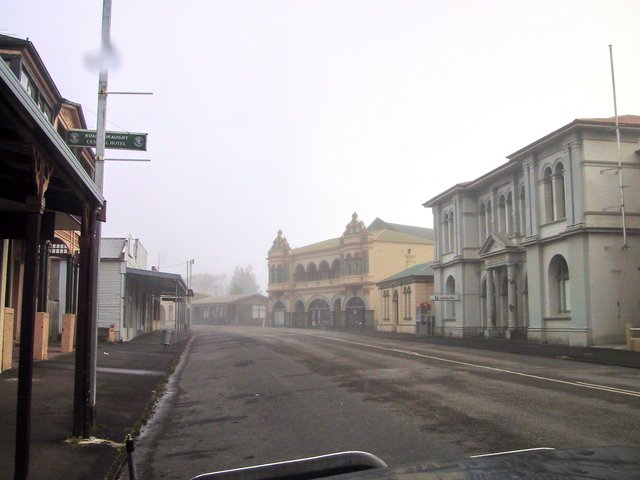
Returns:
(355, 312)
(298, 320)
(278, 314)
(319, 313)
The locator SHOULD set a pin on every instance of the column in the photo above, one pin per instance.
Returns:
(35, 208)
(82, 412)
(511, 296)
(490, 298)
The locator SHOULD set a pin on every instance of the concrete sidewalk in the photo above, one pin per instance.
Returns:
(129, 375)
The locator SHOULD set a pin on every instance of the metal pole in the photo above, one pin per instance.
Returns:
(101, 127)
(620, 174)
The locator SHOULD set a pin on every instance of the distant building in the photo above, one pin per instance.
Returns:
(241, 309)
(535, 248)
(133, 300)
(405, 301)
(332, 284)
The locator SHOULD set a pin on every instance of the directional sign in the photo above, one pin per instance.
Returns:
(117, 140)
(439, 297)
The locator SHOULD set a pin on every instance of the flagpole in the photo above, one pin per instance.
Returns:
(620, 174)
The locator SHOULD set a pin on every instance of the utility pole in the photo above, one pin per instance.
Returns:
(86, 357)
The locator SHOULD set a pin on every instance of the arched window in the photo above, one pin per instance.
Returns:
(489, 219)
(558, 192)
(357, 260)
(509, 213)
(312, 271)
(406, 292)
(445, 233)
(452, 234)
(299, 275)
(335, 268)
(523, 222)
(482, 224)
(450, 308)
(559, 285)
(323, 270)
(547, 192)
(348, 265)
(502, 214)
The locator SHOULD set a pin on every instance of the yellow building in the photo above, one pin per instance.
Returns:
(332, 284)
(405, 305)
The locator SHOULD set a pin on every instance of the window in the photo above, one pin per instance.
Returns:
(558, 192)
(299, 275)
(312, 271)
(502, 214)
(482, 224)
(450, 308)
(28, 84)
(445, 233)
(385, 305)
(509, 214)
(559, 285)
(547, 193)
(522, 207)
(406, 292)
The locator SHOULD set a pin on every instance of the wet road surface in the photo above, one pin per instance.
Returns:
(248, 396)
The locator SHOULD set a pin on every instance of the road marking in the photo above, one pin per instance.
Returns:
(605, 388)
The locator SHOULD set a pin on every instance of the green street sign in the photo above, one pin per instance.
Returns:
(115, 140)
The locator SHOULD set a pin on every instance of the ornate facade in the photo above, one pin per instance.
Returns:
(538, 248)
(332, 284)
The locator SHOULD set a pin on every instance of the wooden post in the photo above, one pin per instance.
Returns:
(82, 412)
(7, 346)
(35, 206)
(68, 332)
(41, 336)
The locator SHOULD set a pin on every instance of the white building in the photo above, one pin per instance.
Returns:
(535, 248)
(134, 300)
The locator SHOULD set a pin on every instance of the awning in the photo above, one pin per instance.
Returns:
(23, 127)
(161, 283)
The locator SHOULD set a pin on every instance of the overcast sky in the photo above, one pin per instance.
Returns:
(292, 115)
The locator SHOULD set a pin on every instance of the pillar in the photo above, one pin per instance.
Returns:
(82, 411)
(511, 297)
(490, 299)
(35, 208)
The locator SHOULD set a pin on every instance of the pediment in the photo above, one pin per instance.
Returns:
(495, 243)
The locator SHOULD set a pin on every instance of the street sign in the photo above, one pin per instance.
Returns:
(116, 140)
(439, 297)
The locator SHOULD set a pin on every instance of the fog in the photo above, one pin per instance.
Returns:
(292, 115)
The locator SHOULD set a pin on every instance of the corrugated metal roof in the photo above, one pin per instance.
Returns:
(225, 299)
(112, 248)
(325, 244)
(379, 224)
(419, 270)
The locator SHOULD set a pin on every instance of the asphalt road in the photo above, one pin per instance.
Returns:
(248, 396)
